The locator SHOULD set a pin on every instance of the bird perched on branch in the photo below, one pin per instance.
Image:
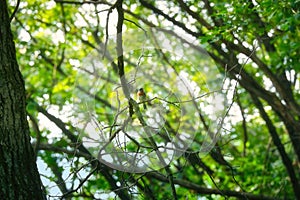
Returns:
(142, 97)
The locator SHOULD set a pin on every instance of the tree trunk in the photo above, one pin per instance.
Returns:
(19, 177)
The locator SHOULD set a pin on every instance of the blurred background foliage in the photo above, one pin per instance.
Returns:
(240, 56)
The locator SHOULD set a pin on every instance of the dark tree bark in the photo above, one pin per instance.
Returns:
(19, 177)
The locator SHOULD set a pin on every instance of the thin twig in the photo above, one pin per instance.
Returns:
(80, 184)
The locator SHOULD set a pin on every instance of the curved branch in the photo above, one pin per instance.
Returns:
(177, 23)
(195, 15)
(15, 11)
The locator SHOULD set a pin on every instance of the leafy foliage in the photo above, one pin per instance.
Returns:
(235, 55)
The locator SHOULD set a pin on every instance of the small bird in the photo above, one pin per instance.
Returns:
(142, 97)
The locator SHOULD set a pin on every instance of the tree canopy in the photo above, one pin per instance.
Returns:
(222, 95)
